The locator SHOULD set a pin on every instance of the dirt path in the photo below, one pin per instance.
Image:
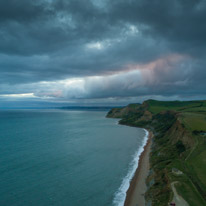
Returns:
(177, 198)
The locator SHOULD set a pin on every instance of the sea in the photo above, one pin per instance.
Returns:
(60, 157)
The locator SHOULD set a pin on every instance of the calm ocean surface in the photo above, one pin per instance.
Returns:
(65, 158)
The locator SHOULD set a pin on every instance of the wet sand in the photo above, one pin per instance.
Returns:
(137, 189)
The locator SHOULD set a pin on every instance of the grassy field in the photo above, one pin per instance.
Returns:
(194, 121)
(159, 106)
(187, 190)
(192, 184)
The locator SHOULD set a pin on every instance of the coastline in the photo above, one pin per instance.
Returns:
(137, 188)
(175, 118)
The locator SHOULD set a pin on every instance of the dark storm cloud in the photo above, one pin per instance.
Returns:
(53, 40)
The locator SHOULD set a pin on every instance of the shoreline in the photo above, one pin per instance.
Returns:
(137, 188)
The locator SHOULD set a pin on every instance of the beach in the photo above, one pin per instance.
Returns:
(137, 189)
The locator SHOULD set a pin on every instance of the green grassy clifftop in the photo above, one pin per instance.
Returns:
(178, 149)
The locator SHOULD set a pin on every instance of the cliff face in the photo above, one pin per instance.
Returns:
(123, 112)
(173, 143)
(179, 133)
(169, 145)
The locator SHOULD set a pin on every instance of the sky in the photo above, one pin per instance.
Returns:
(101, 52)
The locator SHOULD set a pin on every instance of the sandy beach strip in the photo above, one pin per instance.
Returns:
(137, 189)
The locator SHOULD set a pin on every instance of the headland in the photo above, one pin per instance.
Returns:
(176, 154)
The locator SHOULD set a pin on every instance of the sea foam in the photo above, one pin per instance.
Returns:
(120, 195)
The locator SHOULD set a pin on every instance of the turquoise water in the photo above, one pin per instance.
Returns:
(65, 158)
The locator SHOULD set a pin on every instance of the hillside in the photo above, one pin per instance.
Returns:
(178, 157)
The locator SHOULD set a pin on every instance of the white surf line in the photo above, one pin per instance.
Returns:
(120, 195)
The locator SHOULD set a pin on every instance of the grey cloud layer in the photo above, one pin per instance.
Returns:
(54, 40)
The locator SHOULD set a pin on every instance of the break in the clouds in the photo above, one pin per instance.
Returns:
(100, 50)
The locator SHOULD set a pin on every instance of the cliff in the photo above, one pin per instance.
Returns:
(178, 144)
